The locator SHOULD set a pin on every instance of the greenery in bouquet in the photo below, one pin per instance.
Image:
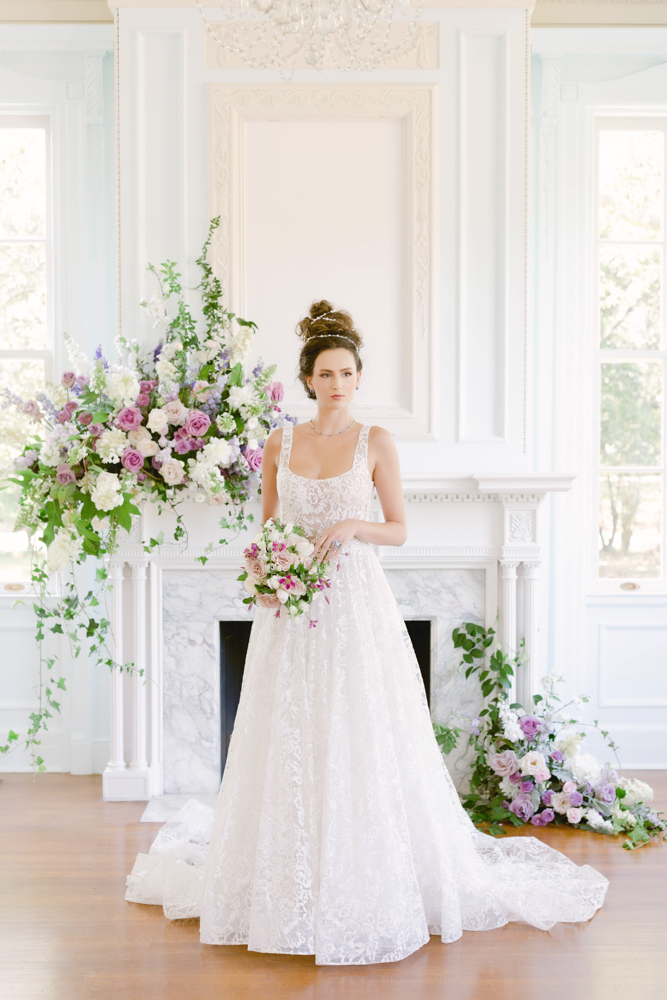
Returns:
(181, 421)
(280, 571)
(529, 766)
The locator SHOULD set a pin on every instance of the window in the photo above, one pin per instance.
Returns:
(25, 300)
(632, 348)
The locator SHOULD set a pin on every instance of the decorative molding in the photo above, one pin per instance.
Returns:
(230, 105)
(521, 526)
(94, 90)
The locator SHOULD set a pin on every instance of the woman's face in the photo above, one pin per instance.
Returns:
(334, 378)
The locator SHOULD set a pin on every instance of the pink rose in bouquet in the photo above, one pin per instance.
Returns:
(256, 567)
(132, 460)
(68, 379)
(148, 385)
(253, 457)
(64, 475)
(175, 412)
(129, 418)
(504, 763)
(197, 423)
(282, 559)
(31, 409)
(267, 601)
(143, 399)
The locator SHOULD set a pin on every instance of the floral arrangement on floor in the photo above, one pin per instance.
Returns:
(280, 571)
(182, 421)
(529, 766)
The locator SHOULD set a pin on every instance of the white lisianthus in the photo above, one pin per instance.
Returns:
(123, 386)
(157, 421)
(218, 451)
(63, 550)
(509, 788)
(532, 763)
(106, 493)
(111, 444)
(304, 547)
(226, 423)
(585, 769)
(636, 791)
(240, 395)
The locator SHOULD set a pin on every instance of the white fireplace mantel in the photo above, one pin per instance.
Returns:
(487, 523)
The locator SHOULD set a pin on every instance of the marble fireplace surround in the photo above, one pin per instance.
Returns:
(474, 555)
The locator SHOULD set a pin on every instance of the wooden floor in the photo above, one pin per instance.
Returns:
(66, 932)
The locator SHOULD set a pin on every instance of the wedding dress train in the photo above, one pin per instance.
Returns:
(338, 831)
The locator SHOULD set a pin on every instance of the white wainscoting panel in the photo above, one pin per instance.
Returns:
(632, 665)
(327, 191)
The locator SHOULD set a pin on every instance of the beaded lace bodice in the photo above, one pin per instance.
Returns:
(316, 504)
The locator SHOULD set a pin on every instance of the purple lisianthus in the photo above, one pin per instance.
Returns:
(537, 819)
(196, 443)
(253, 457)
(557, 755)
(68, 379)
(141, 476)
(576, 798)
(96, 429)
(132, 460)
(129, 418)
(515, 777)
(530, 726)
(504, 763)
(197, 423)
(143, 399)
(522, 807)
(182, 445)
(546, 797)
(85, 418)
(526, 786)
(606, 793)
(156, 462)
(64, 475)
(541, 819)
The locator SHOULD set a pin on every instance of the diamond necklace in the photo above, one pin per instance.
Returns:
(335, 433)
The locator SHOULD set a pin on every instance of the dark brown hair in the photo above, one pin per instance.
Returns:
(324, 330)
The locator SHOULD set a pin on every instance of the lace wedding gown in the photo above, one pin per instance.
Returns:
(338, 832)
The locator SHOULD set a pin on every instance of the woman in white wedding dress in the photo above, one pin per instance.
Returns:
(338, 832)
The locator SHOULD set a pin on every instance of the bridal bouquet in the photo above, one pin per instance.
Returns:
(529, 764)
(280, 571)
(181, 421)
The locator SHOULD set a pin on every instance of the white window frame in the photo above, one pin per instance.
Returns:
(638, 121)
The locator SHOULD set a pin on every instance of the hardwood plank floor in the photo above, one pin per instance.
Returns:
(66, 932)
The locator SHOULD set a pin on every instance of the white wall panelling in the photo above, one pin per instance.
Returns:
(336, 183)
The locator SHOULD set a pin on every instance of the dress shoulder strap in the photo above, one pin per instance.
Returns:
(286, 446)
(361, 453)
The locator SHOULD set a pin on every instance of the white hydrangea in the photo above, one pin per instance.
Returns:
(636, 791)
(569, 744)
(218, 451)
(241, 396)
(106, 493)
(63, 550)
(50, 452)
(585, 769)
(123, 386)
(207, 476)
(111, 444)
(511, 728)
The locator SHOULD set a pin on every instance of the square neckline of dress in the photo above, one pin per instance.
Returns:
(326, 479)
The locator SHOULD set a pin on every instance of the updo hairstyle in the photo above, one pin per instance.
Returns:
(325, 330)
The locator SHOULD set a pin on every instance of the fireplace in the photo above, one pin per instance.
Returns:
(234, 638)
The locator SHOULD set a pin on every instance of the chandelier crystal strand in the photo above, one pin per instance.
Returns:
(352, 34)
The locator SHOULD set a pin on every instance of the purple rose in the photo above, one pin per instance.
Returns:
(515, 777)
(526, 786)
(253, 457)
(522, 807)
(606, 793)
(85, 418)
(275, 391)
(197, 423)
(148, 385)
(530, 726)
(546, 797)
(541, 819)
(181, 446)
(143, 399)
(196, 443)
(64, 475)
(557, 755)
(129, 418)
(132, 460)
(181, 434)
(68, 379)
(96, 429)
(537, 820)
(504, 763)
(576, 798)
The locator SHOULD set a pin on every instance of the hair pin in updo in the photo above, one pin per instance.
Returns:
(327, 336)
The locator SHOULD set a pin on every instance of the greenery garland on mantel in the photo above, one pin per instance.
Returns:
(528, 764)
(182, 421)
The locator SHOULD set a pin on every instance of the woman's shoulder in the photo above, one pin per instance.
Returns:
(379, 436)
(274, 441)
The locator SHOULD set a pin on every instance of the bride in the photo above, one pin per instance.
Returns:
(338, 832)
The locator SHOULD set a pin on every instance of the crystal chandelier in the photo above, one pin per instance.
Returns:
(344, 34)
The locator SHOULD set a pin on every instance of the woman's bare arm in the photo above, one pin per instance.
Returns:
(270, 456)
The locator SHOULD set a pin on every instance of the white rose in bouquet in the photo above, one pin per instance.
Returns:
(157, 421)
(172, 471)
(176, 412)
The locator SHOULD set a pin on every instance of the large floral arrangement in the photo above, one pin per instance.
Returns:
(530, 767)
(280, 571)
(181, 421)
(184, 420)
